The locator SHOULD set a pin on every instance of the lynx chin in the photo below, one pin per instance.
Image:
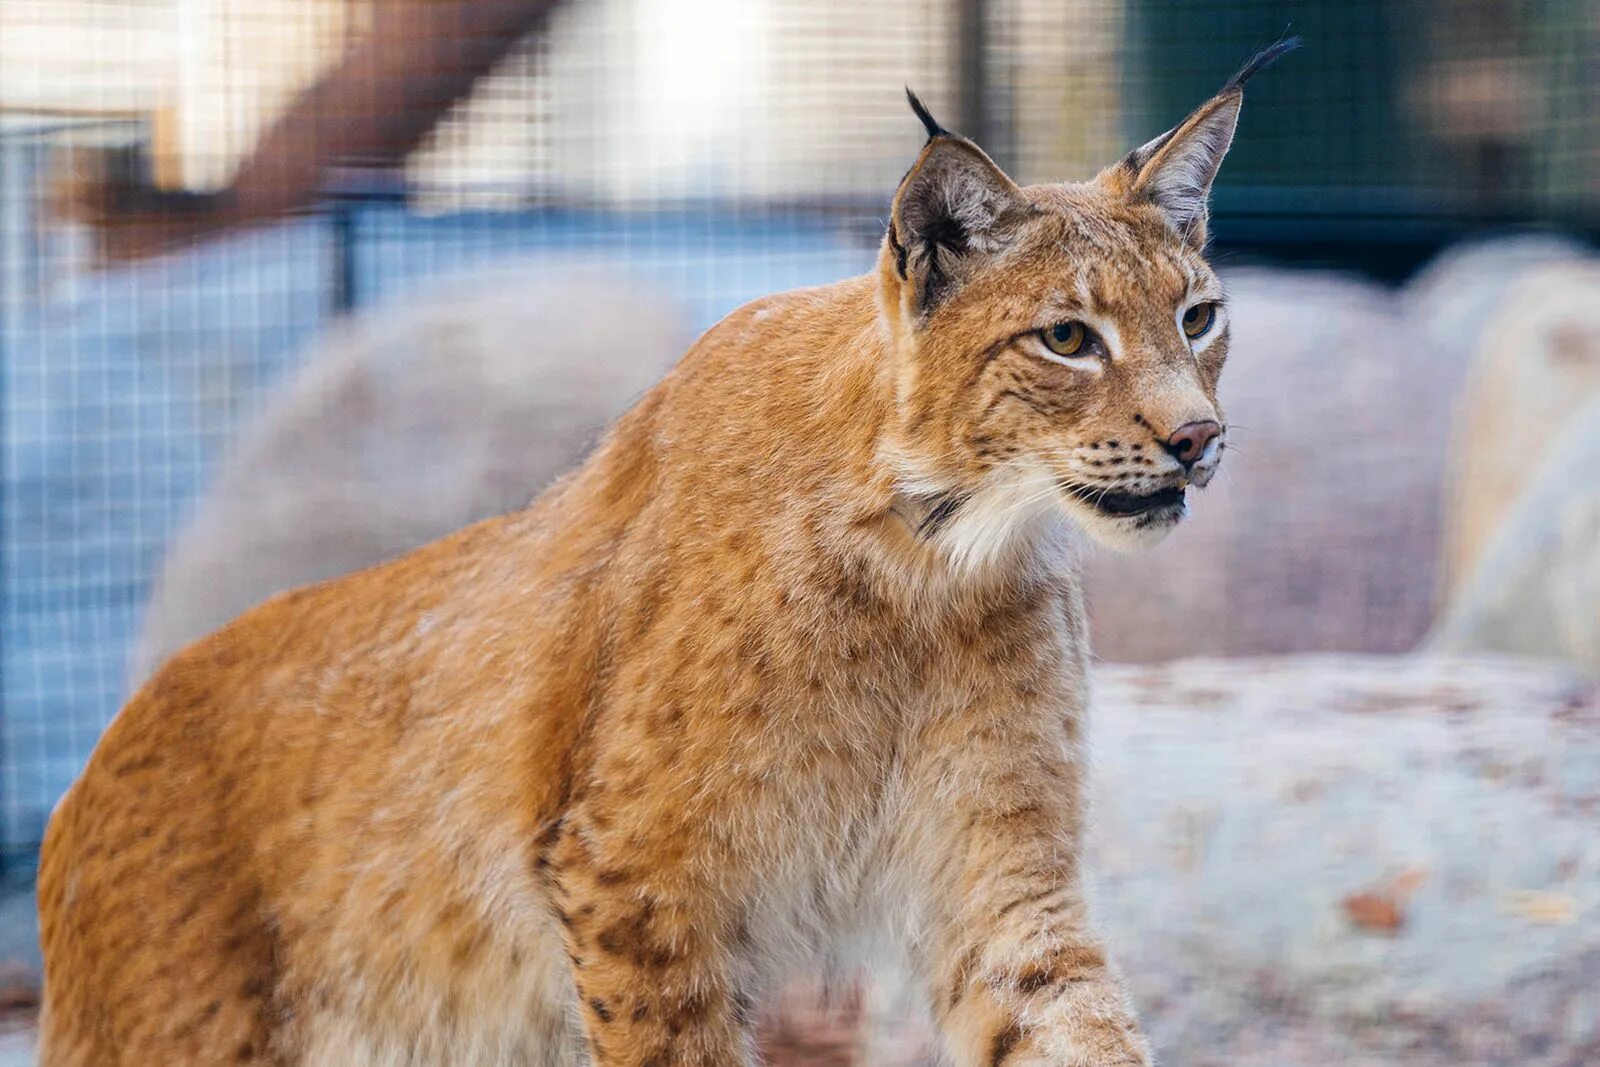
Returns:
(794, 663)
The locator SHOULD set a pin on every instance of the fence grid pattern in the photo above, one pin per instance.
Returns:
(721, 149)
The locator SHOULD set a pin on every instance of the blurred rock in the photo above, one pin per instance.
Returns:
(1322, 530)
(19, 988)
(1452, 298)
(407, 422)
(1536, 587)
(1535, 363)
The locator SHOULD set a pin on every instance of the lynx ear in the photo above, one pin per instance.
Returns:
(1176, 170)
(954, 209)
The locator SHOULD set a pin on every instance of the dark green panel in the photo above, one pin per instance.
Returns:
(1328, 116)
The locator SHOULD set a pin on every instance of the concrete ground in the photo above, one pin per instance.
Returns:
(16, 1049)
(19, 961)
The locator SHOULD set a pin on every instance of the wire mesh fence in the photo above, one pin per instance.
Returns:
(192, 192)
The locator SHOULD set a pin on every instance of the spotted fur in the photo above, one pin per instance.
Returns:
(797, 657)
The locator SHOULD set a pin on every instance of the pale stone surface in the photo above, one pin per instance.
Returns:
(1521, 555)
(1536, 363)
(408, 422)
(1455, 294)
(16, 1049)
(1536, 587)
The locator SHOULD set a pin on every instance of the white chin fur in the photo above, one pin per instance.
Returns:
(1020, 503)
(999, 518)
(1124, 534)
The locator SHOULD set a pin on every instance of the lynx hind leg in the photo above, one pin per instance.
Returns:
(122, 999)
(159, 1014)
(65, 1043)
(154, 946)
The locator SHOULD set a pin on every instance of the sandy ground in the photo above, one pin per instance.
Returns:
(16, 1050)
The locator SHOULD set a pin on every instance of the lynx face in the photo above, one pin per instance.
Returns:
(1059, 345)
(1099, 370)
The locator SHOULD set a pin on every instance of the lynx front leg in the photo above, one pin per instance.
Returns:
(1017, 976)
(653, 958)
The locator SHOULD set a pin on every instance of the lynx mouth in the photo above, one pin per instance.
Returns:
(1123, 505)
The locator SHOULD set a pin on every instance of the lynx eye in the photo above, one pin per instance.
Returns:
(1198, 319)
(1068, 338)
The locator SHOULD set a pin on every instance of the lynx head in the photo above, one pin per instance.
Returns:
(1058, 346)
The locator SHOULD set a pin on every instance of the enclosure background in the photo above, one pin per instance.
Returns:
(723, 149)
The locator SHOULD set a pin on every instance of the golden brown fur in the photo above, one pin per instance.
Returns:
(795, 660)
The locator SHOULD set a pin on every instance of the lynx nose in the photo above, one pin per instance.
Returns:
(1188, 442)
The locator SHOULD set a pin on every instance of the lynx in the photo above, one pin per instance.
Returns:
(793, 664)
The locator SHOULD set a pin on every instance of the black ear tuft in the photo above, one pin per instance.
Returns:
(1259, 62)
(929, 123)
